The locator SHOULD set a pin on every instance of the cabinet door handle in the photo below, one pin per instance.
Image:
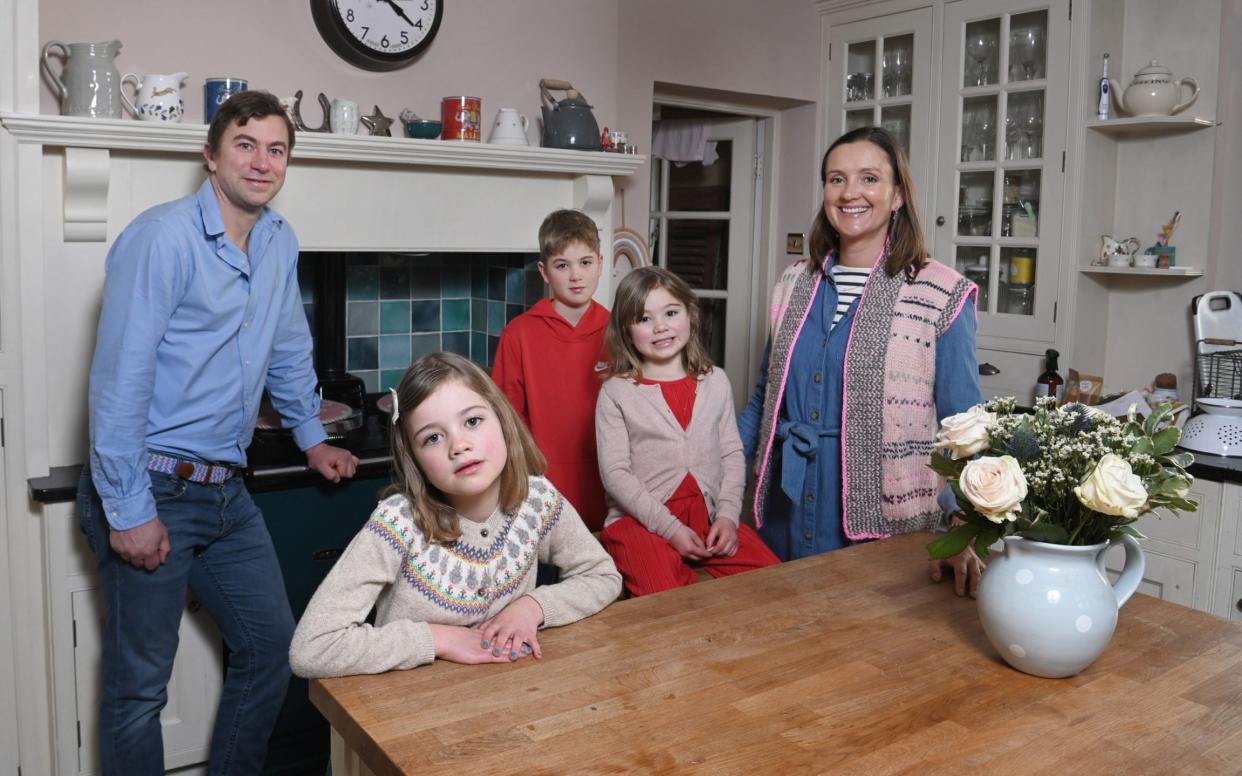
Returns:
(1239, 605)
(939, 220)
(987, 370)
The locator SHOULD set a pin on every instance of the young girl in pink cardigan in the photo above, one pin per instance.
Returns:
(669, 451)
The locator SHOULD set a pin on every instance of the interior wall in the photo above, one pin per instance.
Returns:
(1150, 328)
(496, 51)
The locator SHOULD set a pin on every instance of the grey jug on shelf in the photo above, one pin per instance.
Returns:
(89, 84)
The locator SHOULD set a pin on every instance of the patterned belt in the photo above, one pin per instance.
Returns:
(210, 473)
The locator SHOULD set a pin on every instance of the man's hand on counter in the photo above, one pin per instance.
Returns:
(144, 546)
(332, 462)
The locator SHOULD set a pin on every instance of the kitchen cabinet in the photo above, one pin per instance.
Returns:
(76, 618)
(983, 114)
(1227, 599)
(1181, 550)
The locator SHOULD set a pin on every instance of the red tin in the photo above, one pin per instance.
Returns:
(461, 118)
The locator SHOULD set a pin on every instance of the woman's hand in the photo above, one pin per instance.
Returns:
(722, 539)
(689, 545)
(512, 633)
(967, 571)
(459, 644)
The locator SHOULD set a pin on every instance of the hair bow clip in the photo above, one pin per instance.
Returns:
(396, 412)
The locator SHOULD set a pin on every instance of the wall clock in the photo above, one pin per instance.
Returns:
(378, 34)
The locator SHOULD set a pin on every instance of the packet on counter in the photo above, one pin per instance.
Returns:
(1084, 389)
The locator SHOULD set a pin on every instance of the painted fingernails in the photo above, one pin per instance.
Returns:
(513, 656)
(486, 644)
(496, 651)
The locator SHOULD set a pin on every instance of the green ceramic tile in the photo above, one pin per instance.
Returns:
(455, 314)
(395, 317)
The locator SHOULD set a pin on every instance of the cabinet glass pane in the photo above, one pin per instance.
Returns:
(979, 129)
(972, 261)
(1028, 57)
(896, 119)
(898, 51)
(1020, 204)
(857, 118)
(860, 66)
(982, 60)
(698, 251)
(1024, 125)
(974, 215)
(696, 186)
(1017, 270)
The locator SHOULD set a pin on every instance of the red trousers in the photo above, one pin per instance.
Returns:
(649, 564)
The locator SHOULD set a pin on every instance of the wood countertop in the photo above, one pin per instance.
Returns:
(848, 662)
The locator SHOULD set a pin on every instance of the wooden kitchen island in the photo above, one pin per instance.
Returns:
(849, 662)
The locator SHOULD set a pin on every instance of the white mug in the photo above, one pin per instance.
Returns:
(509, 128)
(1145, 260)
(344, 117)
(1118, 259)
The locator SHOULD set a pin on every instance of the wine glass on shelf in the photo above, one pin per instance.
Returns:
(981, 46)
(1026, 45)
(1031, 121)
(1012, 134)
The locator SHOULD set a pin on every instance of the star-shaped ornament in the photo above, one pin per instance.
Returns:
(377, 123)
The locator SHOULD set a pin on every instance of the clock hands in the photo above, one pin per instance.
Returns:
(401, 13)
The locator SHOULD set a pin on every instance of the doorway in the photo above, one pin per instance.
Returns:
(705, 228)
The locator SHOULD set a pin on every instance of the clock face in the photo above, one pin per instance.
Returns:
(378, 34)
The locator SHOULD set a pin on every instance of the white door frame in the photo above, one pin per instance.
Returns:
(764, 241)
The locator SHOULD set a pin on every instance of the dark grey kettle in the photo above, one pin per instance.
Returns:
(568, 123)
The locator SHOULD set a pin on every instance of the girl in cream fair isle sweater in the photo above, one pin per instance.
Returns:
(448, 558)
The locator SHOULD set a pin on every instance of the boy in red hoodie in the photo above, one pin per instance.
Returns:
(550, 359)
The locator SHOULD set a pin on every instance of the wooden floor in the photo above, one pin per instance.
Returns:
(851, 662)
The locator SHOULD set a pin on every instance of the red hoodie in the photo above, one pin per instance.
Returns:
(551, 373)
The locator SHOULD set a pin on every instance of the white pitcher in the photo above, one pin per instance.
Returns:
(157, 98)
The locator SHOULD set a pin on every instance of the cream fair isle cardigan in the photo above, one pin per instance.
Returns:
(644, 453)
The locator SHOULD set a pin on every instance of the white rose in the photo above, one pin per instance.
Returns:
(994, 486)
(965, 433)
(1113, 488)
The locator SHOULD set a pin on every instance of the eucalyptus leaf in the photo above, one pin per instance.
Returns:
(1142, 446)
(1157, 417)
(1047, 532)
(952, 542)
(1165, 440)
(1180, 460)
(945, 466)
(1127, 530)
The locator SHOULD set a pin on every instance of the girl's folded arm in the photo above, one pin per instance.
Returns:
(589, 579)
(612, 443)
(333, 639)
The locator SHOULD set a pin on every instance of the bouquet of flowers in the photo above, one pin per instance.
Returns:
(1064, 475)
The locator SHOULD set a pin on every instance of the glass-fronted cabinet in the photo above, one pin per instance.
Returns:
(999, 176)
(879, 74)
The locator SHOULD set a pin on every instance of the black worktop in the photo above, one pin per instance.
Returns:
(275, 463)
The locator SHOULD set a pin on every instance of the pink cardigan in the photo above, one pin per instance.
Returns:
(644, 453)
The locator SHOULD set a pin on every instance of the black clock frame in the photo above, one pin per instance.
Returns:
(338, 37)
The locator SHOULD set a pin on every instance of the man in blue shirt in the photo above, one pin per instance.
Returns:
(201, 312)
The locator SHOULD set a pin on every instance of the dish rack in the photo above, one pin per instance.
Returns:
(1218, 374)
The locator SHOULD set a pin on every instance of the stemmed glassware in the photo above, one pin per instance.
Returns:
(1026, 46)
(896, 71)
(981, 46)
(1031, 125)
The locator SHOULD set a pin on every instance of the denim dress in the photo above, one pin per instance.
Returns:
(802, 515)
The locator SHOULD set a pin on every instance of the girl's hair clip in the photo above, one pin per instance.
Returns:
(396, 412)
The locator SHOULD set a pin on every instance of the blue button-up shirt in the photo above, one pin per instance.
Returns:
(192, 330)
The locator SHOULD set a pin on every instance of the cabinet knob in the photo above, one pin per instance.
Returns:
(1239, 604)
(939, 220)
(987, 370)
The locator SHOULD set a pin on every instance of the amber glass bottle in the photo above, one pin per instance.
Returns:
(1050, 382)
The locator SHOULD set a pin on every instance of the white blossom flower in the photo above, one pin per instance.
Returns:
(965, 433)
(1113, 488)
(995, 487)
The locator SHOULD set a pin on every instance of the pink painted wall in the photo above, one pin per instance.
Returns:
(494, 50)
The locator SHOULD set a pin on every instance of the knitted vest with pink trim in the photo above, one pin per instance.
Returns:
(888, 413)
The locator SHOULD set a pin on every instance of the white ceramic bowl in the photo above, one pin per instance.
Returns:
(1231, 407)
(1215, 434)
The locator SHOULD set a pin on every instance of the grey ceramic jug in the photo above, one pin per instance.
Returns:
(89, 84)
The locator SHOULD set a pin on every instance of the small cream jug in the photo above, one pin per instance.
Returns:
(89, 84)
(1154, 92)
(509, 128)
(157, 97)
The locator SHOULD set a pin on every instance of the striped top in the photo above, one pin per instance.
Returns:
(849, 282)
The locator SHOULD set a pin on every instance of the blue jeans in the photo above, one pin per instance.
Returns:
(222, 553)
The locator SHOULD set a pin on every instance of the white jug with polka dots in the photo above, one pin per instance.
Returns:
(1048, 608)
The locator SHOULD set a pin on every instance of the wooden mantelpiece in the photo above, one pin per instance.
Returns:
(849, 662)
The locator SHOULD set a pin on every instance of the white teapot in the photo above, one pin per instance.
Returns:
(1153, 92)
